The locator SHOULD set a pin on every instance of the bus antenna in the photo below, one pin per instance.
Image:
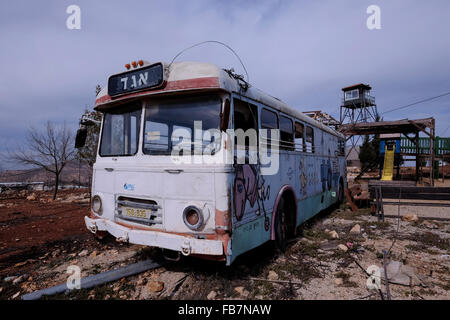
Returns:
(217, 42)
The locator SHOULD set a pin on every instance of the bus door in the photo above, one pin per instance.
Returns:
(248, 222)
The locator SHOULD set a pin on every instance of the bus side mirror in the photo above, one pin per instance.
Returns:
(225, 116)
(80, 139)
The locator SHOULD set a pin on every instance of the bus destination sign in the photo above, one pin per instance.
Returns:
(135, 80)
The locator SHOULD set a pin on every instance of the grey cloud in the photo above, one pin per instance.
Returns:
(303, 52)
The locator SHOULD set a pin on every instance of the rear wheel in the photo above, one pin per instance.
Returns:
(281, 226)
(341, 192)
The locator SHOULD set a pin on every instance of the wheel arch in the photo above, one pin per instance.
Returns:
(288, 192)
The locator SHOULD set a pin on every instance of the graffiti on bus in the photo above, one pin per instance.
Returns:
(249, 185)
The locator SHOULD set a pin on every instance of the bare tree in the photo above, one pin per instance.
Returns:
(50, 150)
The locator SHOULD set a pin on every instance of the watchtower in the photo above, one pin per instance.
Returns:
(358, 105)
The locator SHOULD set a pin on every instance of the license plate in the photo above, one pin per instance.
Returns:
(136, 213)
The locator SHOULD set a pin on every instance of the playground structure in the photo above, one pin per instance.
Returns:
(399, 143)
(409, 130)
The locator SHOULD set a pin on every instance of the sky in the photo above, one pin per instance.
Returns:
(302, 52)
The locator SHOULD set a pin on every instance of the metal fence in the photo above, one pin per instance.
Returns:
(441, 146)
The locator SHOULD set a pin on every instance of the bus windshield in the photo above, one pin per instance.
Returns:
(171, 122)
(121, 131)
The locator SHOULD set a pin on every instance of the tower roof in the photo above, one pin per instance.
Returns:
(357, 86)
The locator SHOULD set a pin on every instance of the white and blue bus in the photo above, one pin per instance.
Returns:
(221, 199)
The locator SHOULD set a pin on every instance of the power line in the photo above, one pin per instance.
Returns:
(445, 130)
(414, 103)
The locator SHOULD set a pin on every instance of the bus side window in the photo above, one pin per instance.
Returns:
(269, 120)
(245, 118)
(341, 147)
(286, 133)
(309, 140)
(300, 137)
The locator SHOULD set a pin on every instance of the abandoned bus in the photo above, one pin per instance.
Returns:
(150, 189)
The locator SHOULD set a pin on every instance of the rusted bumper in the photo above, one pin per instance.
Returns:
(185, 245)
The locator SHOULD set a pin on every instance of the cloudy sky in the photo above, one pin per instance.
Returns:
(302, 52)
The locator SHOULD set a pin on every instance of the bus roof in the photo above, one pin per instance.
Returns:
(200, 76)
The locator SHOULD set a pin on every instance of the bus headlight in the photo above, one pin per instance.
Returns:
(193, 218)
(96, 205)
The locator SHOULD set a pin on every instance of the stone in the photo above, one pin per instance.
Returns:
(155, 286)
(239, 290)
(330, 245)
(410, 218)
(356, 229)
(338, 281)
(18, 280)
(141, 281)
(399, 273)
(272, 275)
(334, 234)
(16, 295)
(20, 264)
(83, 253)
(93, 254)
(429, 225)
(212, 295)
(342, 247)
(9, 279)
(31, 197)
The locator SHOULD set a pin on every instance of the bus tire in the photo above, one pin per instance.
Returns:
(281, 226)
(341, 192)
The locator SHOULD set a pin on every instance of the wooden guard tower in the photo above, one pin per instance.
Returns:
(358, 105)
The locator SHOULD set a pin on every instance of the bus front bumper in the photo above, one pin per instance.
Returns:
(185, 245)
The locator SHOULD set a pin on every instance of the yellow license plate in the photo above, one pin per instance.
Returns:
(135, 213)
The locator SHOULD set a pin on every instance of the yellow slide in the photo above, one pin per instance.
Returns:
(388, 168)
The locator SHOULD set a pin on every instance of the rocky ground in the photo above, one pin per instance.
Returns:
(327, 260)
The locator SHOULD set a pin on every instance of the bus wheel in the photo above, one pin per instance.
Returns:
(341, 192)
(281, 227)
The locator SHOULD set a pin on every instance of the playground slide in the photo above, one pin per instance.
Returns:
(388, 168)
